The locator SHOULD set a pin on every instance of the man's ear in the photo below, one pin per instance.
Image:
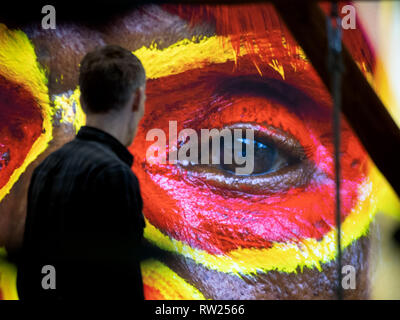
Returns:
(139, 95)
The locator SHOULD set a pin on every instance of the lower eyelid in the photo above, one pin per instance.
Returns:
(296, 176)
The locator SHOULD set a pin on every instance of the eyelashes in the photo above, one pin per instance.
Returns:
(280, 163)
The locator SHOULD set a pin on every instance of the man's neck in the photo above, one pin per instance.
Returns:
(112, 125)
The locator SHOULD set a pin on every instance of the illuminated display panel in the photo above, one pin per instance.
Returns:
(267, 235)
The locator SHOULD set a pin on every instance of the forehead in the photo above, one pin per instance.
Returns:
(60, 51)
(256, 27)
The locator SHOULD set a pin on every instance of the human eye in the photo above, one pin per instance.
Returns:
(267, 157)
(282, 144)
(279, 161)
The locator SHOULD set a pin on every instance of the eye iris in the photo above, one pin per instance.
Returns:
(265, 157)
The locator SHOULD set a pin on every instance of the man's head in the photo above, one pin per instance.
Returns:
(112, 83)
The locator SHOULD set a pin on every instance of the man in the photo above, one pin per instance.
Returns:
(84, 222)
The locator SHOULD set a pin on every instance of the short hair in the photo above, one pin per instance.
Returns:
(108, 77)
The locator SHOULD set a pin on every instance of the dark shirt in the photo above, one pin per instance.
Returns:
(84, 218)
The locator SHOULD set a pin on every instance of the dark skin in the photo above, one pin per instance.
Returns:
(60, 52)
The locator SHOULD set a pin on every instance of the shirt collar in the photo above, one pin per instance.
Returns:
(91, 133)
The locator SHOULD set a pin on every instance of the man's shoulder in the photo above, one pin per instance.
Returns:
(118, 169)
(89, 149)
(82, 154)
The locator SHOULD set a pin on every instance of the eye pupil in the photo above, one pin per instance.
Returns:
(265, 157)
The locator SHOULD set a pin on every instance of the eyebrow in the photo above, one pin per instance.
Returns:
(272, 89)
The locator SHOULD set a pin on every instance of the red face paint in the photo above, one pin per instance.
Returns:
(20, 126)
(290, 205)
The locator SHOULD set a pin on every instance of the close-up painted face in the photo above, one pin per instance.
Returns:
(267, 235)
(254, 231)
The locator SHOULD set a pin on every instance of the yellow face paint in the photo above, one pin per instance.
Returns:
(161, 282)
(197, 53)
(8, 278)
(71, 110)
